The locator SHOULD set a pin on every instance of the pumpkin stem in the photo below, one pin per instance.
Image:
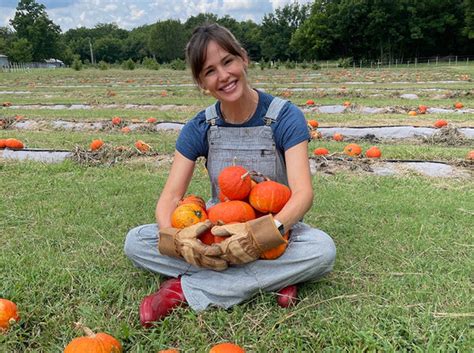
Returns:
(243, 176)
(234, 161)
(87, 330)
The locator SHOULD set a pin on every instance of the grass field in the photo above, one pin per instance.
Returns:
(403, 275)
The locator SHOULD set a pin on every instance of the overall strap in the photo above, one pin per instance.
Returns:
(211, 114)
(274, 110)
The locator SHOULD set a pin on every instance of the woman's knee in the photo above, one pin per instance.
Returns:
(131, 240)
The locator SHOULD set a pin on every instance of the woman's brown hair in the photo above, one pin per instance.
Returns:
(196, 48)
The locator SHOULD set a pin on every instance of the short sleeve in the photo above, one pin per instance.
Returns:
(291, 127)
(192, 140)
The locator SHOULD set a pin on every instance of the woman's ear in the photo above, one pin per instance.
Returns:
(245, 57)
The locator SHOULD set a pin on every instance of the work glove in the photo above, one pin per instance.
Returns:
(184, 243)
(247, 241)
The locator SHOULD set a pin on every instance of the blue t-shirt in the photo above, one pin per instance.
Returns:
(289, 130)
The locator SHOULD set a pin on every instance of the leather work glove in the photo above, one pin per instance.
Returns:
(248, 240)
(184, 243)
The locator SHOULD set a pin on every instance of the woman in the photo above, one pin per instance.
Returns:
(262, 133)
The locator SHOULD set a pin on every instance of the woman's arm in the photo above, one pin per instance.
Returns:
(176, 185)
(299, 180)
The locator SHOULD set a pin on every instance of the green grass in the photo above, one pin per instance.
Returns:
(404, 260)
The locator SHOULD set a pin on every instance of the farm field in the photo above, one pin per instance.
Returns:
(404, 236)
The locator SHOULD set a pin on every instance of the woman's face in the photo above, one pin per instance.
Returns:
(223, 74)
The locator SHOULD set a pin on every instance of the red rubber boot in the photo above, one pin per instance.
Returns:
(160, 304)
(287, 296)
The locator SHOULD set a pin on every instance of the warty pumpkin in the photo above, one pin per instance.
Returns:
(8, 314)
(269, 196)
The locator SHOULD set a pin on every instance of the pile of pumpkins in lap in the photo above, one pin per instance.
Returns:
(241, 199)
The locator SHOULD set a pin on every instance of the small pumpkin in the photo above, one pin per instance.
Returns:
(412, 113)
(96, 144)
(14, 144)
(422, 109)
(231, 211)
(8, 314)
(276, 252)
(208, 238)
(470, 155)
(93, 343)
(458, 105)
(226, 347)
(353, 150)
(269, 196)
(125, 129)
(440, 123)
(3, 143)
(310, 102)
(234, 182)
(347, 104)
(142, 146)
(198, 200)
(315, 135)
(373, 152)
(116, 120)
(338, 136)
(313, 123)
(186, 215)
(321, 151)
(151, 120)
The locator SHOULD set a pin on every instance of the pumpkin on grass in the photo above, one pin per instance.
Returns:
(187, 214)
(440, 123)
(353, 150)
(458, 105)
(116, 120)
(313, 123)
(321, 151)
(234, 182)
(3, 143)
(142, 146)
(151, 120)
(93, 342)
(269, 196)
(8, 314)
(226, 347)
(14, 144)
(96, 144)
(338, 136)
(231, 211)
(373, 152)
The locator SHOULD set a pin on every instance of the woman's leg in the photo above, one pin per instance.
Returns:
(310, 255)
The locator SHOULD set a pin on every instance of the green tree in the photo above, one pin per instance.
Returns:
(7, 36)
(21, 51)
(278, 28)
(31, 22)
(108, 49)
(167, 40)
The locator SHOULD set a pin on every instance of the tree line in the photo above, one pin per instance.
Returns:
(323, 30)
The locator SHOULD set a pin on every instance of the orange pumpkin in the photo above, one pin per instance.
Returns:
(440, 123)
(269, 196)
(310, 102)
(412, 113)
(353, 150)
(458, 105)
(422, 109)
(208, 238)
(125, 129)
(276, 252)
(198, 200)
(231, 211)
(116, 120)
(373, 152)
(234, 182)
(96, 144)
(3, 143)
(142, 146)
(186, 215)
(151, 120)
(226, 348)
(171, 350)
(316, 134)
(14, 144)
(321, 151)
(470, 155)
(94, 343)
(347, 104)
(8, 314)
(313, 123)
(338, 137)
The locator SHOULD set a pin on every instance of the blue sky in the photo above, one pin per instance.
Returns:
(130, 14)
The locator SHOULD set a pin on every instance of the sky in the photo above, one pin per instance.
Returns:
(129, 14)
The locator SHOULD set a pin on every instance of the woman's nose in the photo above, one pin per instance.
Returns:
(222, 73)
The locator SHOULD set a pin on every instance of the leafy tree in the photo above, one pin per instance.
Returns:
(278, 28)
(108, 49)
(21, 51)
(31, 22)
(7, 36)
(167, 40)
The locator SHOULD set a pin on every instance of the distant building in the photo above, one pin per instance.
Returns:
(54, 63)
(3, 61)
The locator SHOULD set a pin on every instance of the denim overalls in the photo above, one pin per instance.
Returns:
(310, 253)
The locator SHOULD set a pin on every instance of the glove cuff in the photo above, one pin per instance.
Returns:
(166, 244)
(265, 233)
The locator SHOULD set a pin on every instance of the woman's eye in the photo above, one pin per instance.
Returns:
(227, 61)
(208, 72)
